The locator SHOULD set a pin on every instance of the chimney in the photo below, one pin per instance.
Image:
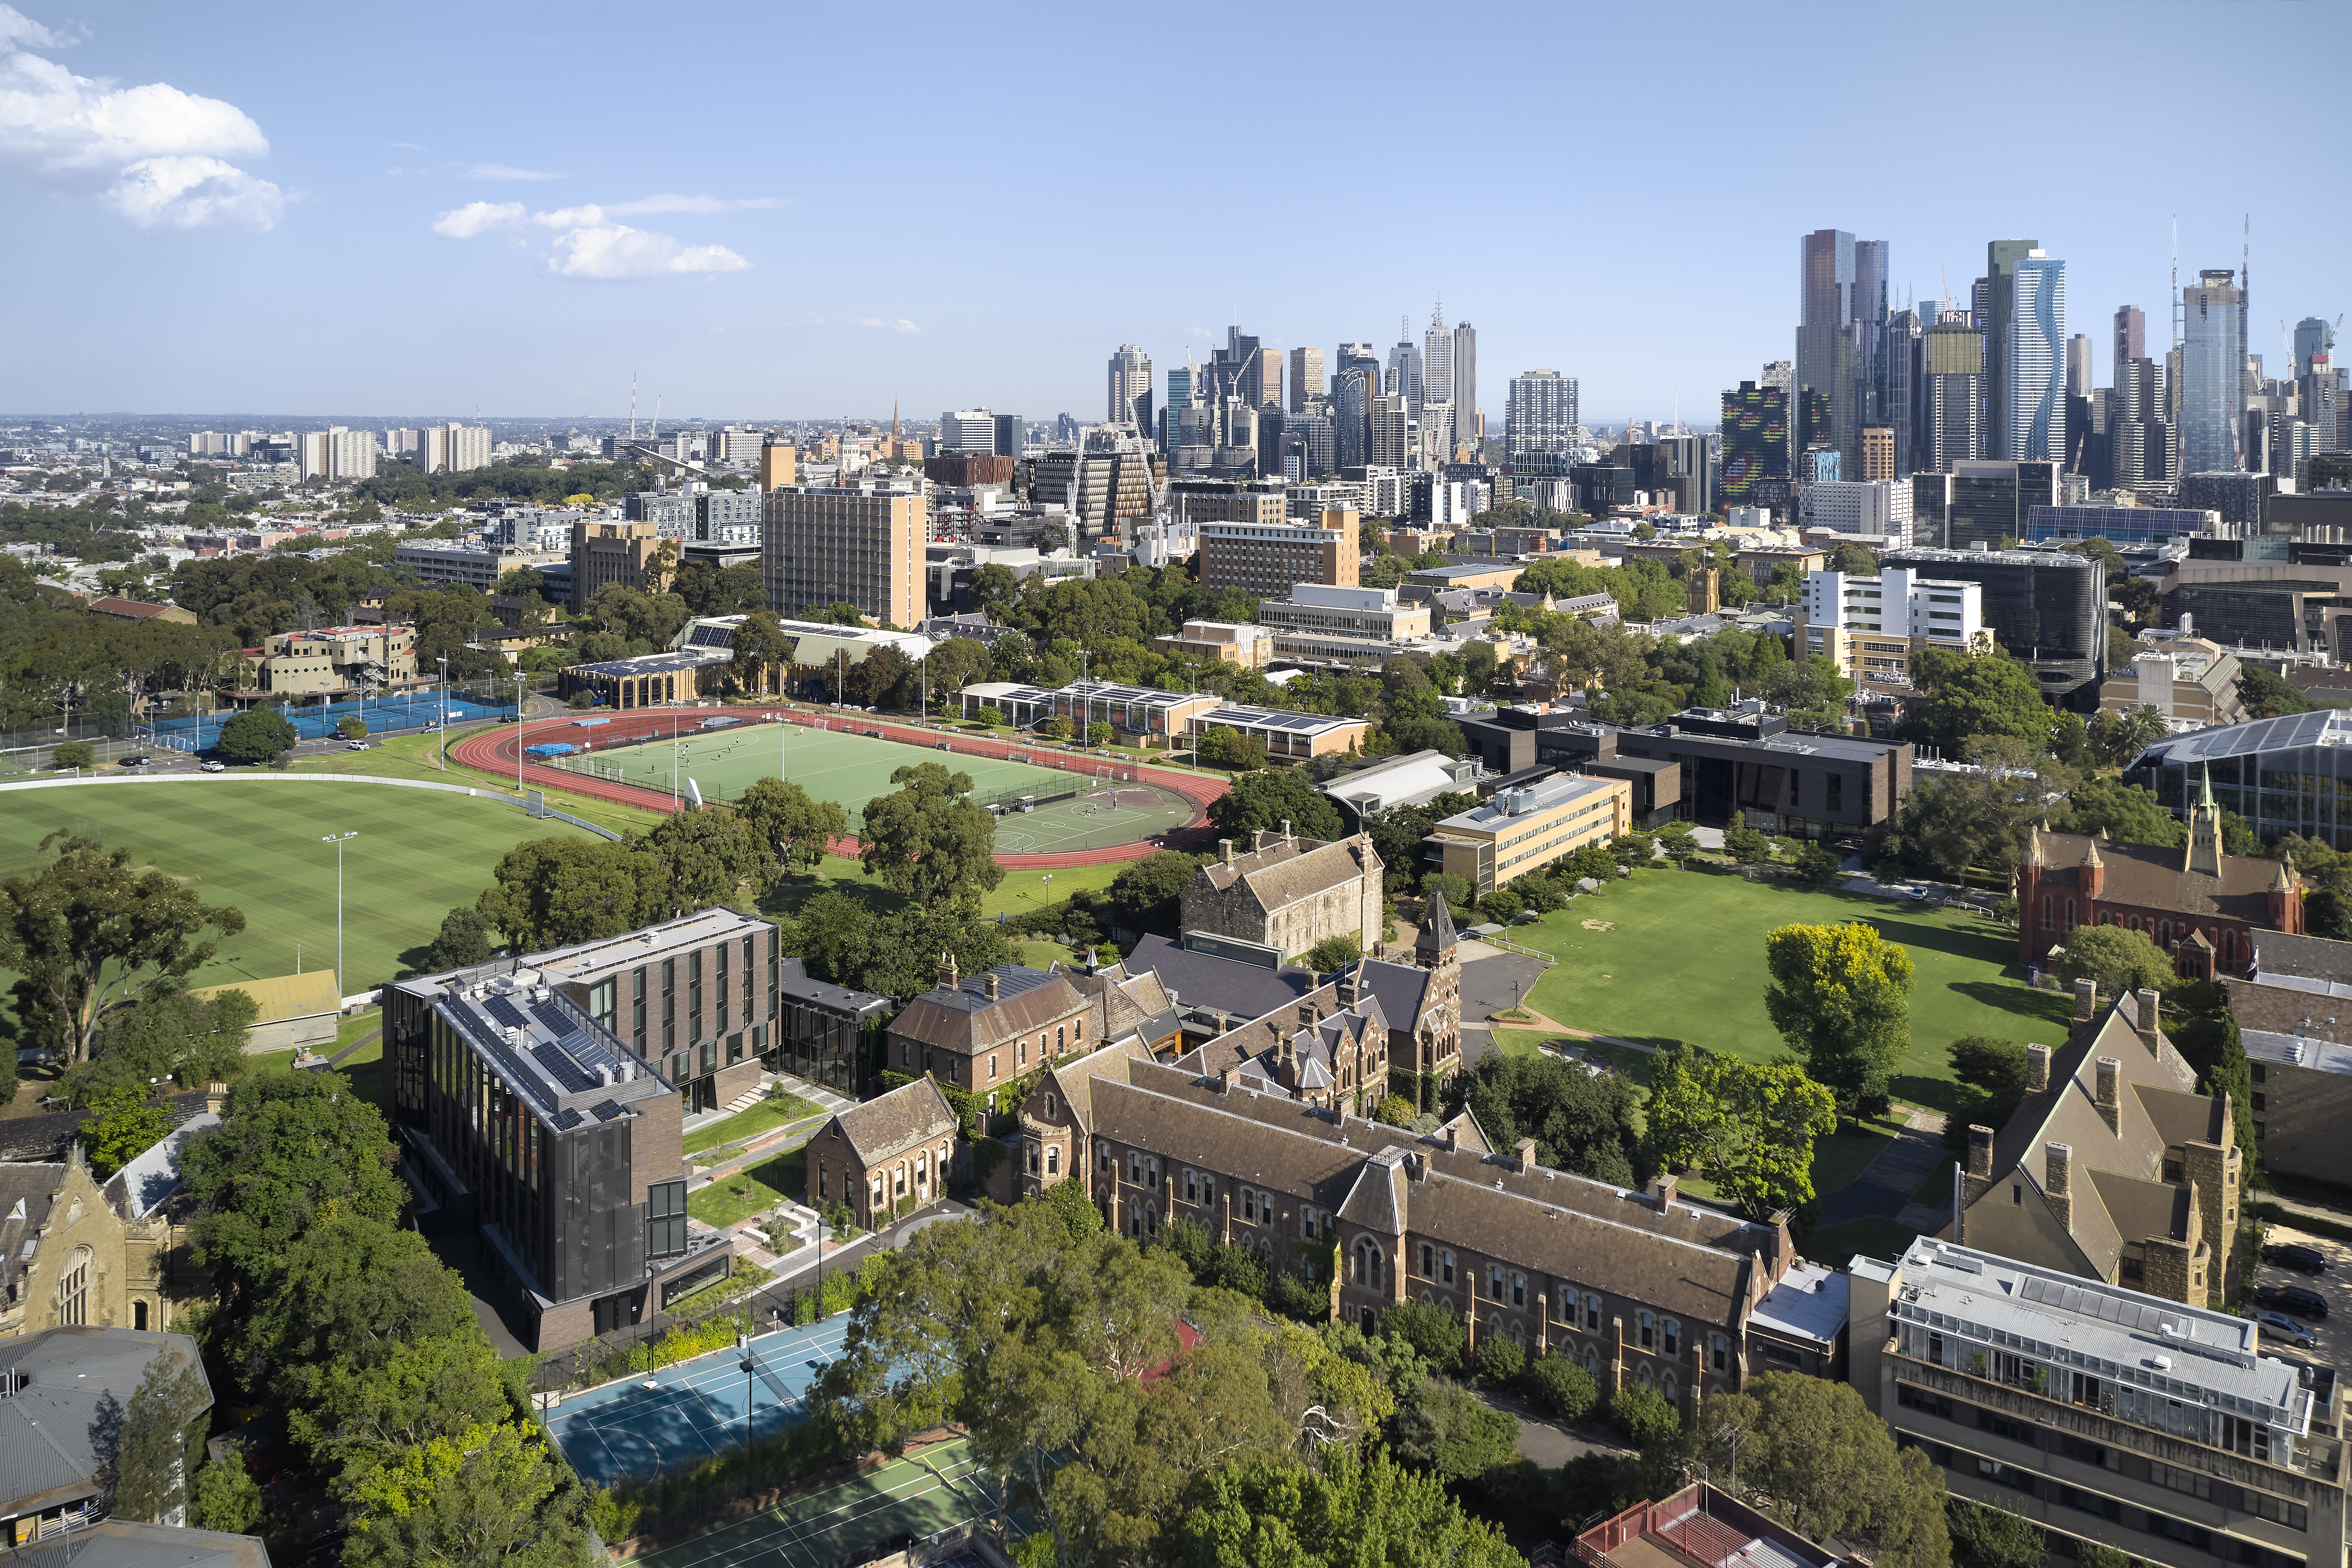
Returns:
(1258, 836)
(1662, 1191)
(1980, 1153)
(990, 981)
(2037, 1068)
(2151, 1033)
(2058, 1163)
(1452, 1139)
(1417, 1166)
(2111, 1105)
(1285, 830)
(1224, 1081)
(1226, 845)
(1523, 1155)
(2087, 1000)
(947, 979)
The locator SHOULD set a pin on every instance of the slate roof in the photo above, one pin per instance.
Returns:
(1132, 1003)
(47, 1426)
(2158, 878)
(1402, 989)
(1283, 871)
(2281, 959)
(1203, 980)
(27, 1191)
(145, 1185)
(892, 1123)
(1075, 1080)
(1436, 933)
(964, 1020)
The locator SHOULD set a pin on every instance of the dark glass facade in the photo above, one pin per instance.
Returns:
(1754, 440)
(824, 1034)
(2047, 608)
(2291, 774)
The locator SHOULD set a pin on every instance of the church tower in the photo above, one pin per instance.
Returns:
(2204, 831)
(1437, 1036)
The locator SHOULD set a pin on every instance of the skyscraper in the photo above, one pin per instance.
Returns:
(1352, 392)
(1390, 446)
(2032, 395)
(1262, 384)
(1824, 346)
(1130, 381)
(2078, 366)
(1755, 439)
(1868, 367)
(1469, 424)
(1951, 393)
(1437, 359)
(1305, 377)
(1992, 297)
(2312, 336)
(1403, 377)
(1901, 360)
(1184, 388)
(2212, 373)
(1542, 415)
(2131, 334)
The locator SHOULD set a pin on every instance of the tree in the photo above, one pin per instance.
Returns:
(73, 754)
(1745, 844)
(1991, 1076)
(123, 1127)
(797, 830)
(1075, 1210)
(1274, 1514)
(1268, 798)
(1499, 1361)
(162, 1438)
(1561, 1386)
(759, 645)
(351, 727)
(1049, 538)
(1841, 997)
(1979, 694)
(930, 840)
(1334, 953)
(1225, 747)
(174, 1036)
(2115, 958)
(1985, 1537)
(1817, 1459)
(227, 1497)
(489, 1494)
(1440, 1426)
(1459, 892)
(1435, 1333)
(2266, 694)
(992, 716)
(1747, 1128)
(463, 941)
(1148, 894)
(1581, 1124)
(1818, 864)
(553, 892)
(91, 936)
(707, 858)
(1644, 1418)
(2116, 738)
(258, 734)
(2125, 812)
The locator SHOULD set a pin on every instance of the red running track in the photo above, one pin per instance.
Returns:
(494, 752)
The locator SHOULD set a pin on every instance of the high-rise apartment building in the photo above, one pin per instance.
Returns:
(1390, 435)
(1542, 415)
(1305, 377)
(2212, 394)
(2314, 338)
(859, 543)
(1867, 358)
(1900, 357)
(338, 452)
(1266, 558)
(2033, 361)
(2131, 334)
(1469, 419)
(1877, 443)
(967, 431)
(1352, 395)
(1009, 435)
(2078, 366)
(1437, 359)
(1755, 439)
(1992, 299)
(452, 448)
(1130, 383)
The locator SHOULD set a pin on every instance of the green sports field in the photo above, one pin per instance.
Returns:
(1685, 961)
(839, 764)
(257, 846)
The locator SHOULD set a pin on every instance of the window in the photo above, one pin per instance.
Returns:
(1673, 1331)
(665, 1219)
(1249, 1205)
(2173, 1477)
(1050, 1106)
(1152, 1173)
(1134, 1169)
(1020, 1054)
(1649, 1333)
(1719, 1353)
(2261, 1071)
(1592, 1314)
(992, 1067)
(1446, 1267)
(1032, 1159)
(1494, 1283)
(1428, 1261)
(1518, 1289)
(2262, 1101)
(1061, 1038)
(73, 1288)
(2017, 1194)
(1191, 1187)
(1837, 792)
(1054, 1162)
(1919, 1399)
(600, 1003)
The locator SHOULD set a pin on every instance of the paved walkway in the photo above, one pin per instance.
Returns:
(1884, 1189)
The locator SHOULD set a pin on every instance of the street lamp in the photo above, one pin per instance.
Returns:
(519, 736)
(441, 737)
(339, 840)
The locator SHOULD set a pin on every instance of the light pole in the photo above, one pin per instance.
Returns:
(519, 736)
(441, 737)
(339, 840)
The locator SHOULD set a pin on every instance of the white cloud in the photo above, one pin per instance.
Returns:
(670, 204)
(162, 148)
(508, 171)
(474, 217)
(616, 251)
(194, 193)
(900, 326)
(569, 217)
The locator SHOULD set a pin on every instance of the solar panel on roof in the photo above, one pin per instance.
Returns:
(506, 1015)
(562, 1068)
(559, 1023)
(565, 1121)
(605, 1109)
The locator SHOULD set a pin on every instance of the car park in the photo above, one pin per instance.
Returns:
(2296, 1256)
(2295, 1299)
(2279, 1326)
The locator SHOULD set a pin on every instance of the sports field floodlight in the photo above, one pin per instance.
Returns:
(339, 840)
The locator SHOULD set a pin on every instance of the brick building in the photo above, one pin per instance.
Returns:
(889, 1156)
(1268, 558)
(994, 1028)
(2201, 905)
(1286, 894)
(2112, 1167)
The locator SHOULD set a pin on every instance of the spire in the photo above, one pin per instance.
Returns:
(1436, 938)
(2091, 856)
(2205, 787)
(2284, 881)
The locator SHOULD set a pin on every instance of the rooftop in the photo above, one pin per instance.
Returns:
(2320, 727)
(1238, 714)
(1552, 791)
(1809, 1303)
(589, 960)
(565, 1069)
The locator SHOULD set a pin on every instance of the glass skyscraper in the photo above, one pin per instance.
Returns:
(2033, 361)
(1754, 440)
(2212, 373)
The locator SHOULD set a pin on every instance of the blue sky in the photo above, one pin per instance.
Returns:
(779, 212)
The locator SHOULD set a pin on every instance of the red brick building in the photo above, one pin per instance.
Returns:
(2199, 905)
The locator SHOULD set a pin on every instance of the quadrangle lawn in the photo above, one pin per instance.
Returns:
(257, 846)
(1685, 962)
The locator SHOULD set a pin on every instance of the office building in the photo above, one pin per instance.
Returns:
(1818, 465)
(1755, 439)
(442, 565)
(1268, 558)
(858, 543)
(1197, 501)
(1391, 432)
(2078, 366)
(1310, 447)
(1403, 377)
(2048, 608)
(1437, 385)
(1866, 359)
(1374, 613)
(617, 553)
(2187, 680)
(1352, 395)
(1825, 343)
(1128, 400)
(1469, 419)
(1305, 377)
(2315, 340)
(2131, 334)
(452, 448)
(1989, 502)
(1878, 445)
(1104, 493)
(779, 464)
(1870, 627)
(964, 430)
(1010, 434)
(2213, 392)
(2237, 497)
(670, 512)
(1873, 508)
(2032, 397)
(1991, 303)
(2122, 526)
(1541, 418)
(1526, 829)
(2101, 1414)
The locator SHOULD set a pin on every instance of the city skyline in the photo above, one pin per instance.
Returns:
(539, 249)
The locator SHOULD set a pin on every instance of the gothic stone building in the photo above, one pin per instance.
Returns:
(1639, 1289)
(74, 1252)
(2112, 1167)
(2201, 906)
(994, 1027)
(1289, 893)
(891, 1155)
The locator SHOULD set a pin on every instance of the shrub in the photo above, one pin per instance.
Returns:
(1502, 906)
(1499, 1361)
(1396, 1111)
(1560, 1385)
(73, 754)
(1430, 1329)
(1644, 1418)
(1239, 1270)
(351, 727)
(1335, 952)
(1294, 1296)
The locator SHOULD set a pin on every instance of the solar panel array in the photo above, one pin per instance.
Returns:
(562, 1068)
(507, 1016)
(559, 1023)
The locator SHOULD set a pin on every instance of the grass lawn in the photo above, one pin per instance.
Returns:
(411, 757)
(732, 1199)
(1020, 893)
(766, 1116)
(255, 845)
(1685, 962)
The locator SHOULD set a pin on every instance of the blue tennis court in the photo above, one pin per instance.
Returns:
(384, 715)
(650, 1425)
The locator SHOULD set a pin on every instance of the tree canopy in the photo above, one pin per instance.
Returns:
(1269, 798)
(1841, 996)
(1581, 1124)
(930, 840)
(1979, 694)
(1748, 1128)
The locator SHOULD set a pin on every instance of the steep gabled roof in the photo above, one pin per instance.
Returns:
(964, 1019)
(894, 1122)
(1288, 869)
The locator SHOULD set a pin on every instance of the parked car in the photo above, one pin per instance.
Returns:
(355, 745)
(138, 760)
(213, 765)
(2279, 1326)
(2295, 1299)
(2295, 1255)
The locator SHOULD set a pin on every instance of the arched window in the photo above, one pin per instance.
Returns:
(1020, 1054)
(1591, 1360)
(1719, 1353)
(1061, 1039)
(1668, 1387)
(2070, 915)
(1649, 1332)
(1592, 1314)
(2049, 918)
(1518, 1289)
(1050, 1110)
(1446, 1269)
(1032, 1159)
(1365, 1319)
(1519, 1335)
(1647, 1382)
(1674, 1333)
(139, 1316)
(1054, 1162)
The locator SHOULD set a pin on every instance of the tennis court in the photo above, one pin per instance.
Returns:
(384, 715)
(921, 1495)
(646, 1425)
(1091, 803)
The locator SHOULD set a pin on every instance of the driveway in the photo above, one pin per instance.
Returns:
(1547, 1442)
(2334, 1287)
(1884, 1189)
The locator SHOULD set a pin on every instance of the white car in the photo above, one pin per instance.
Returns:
(355, 745)
(213, 765)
